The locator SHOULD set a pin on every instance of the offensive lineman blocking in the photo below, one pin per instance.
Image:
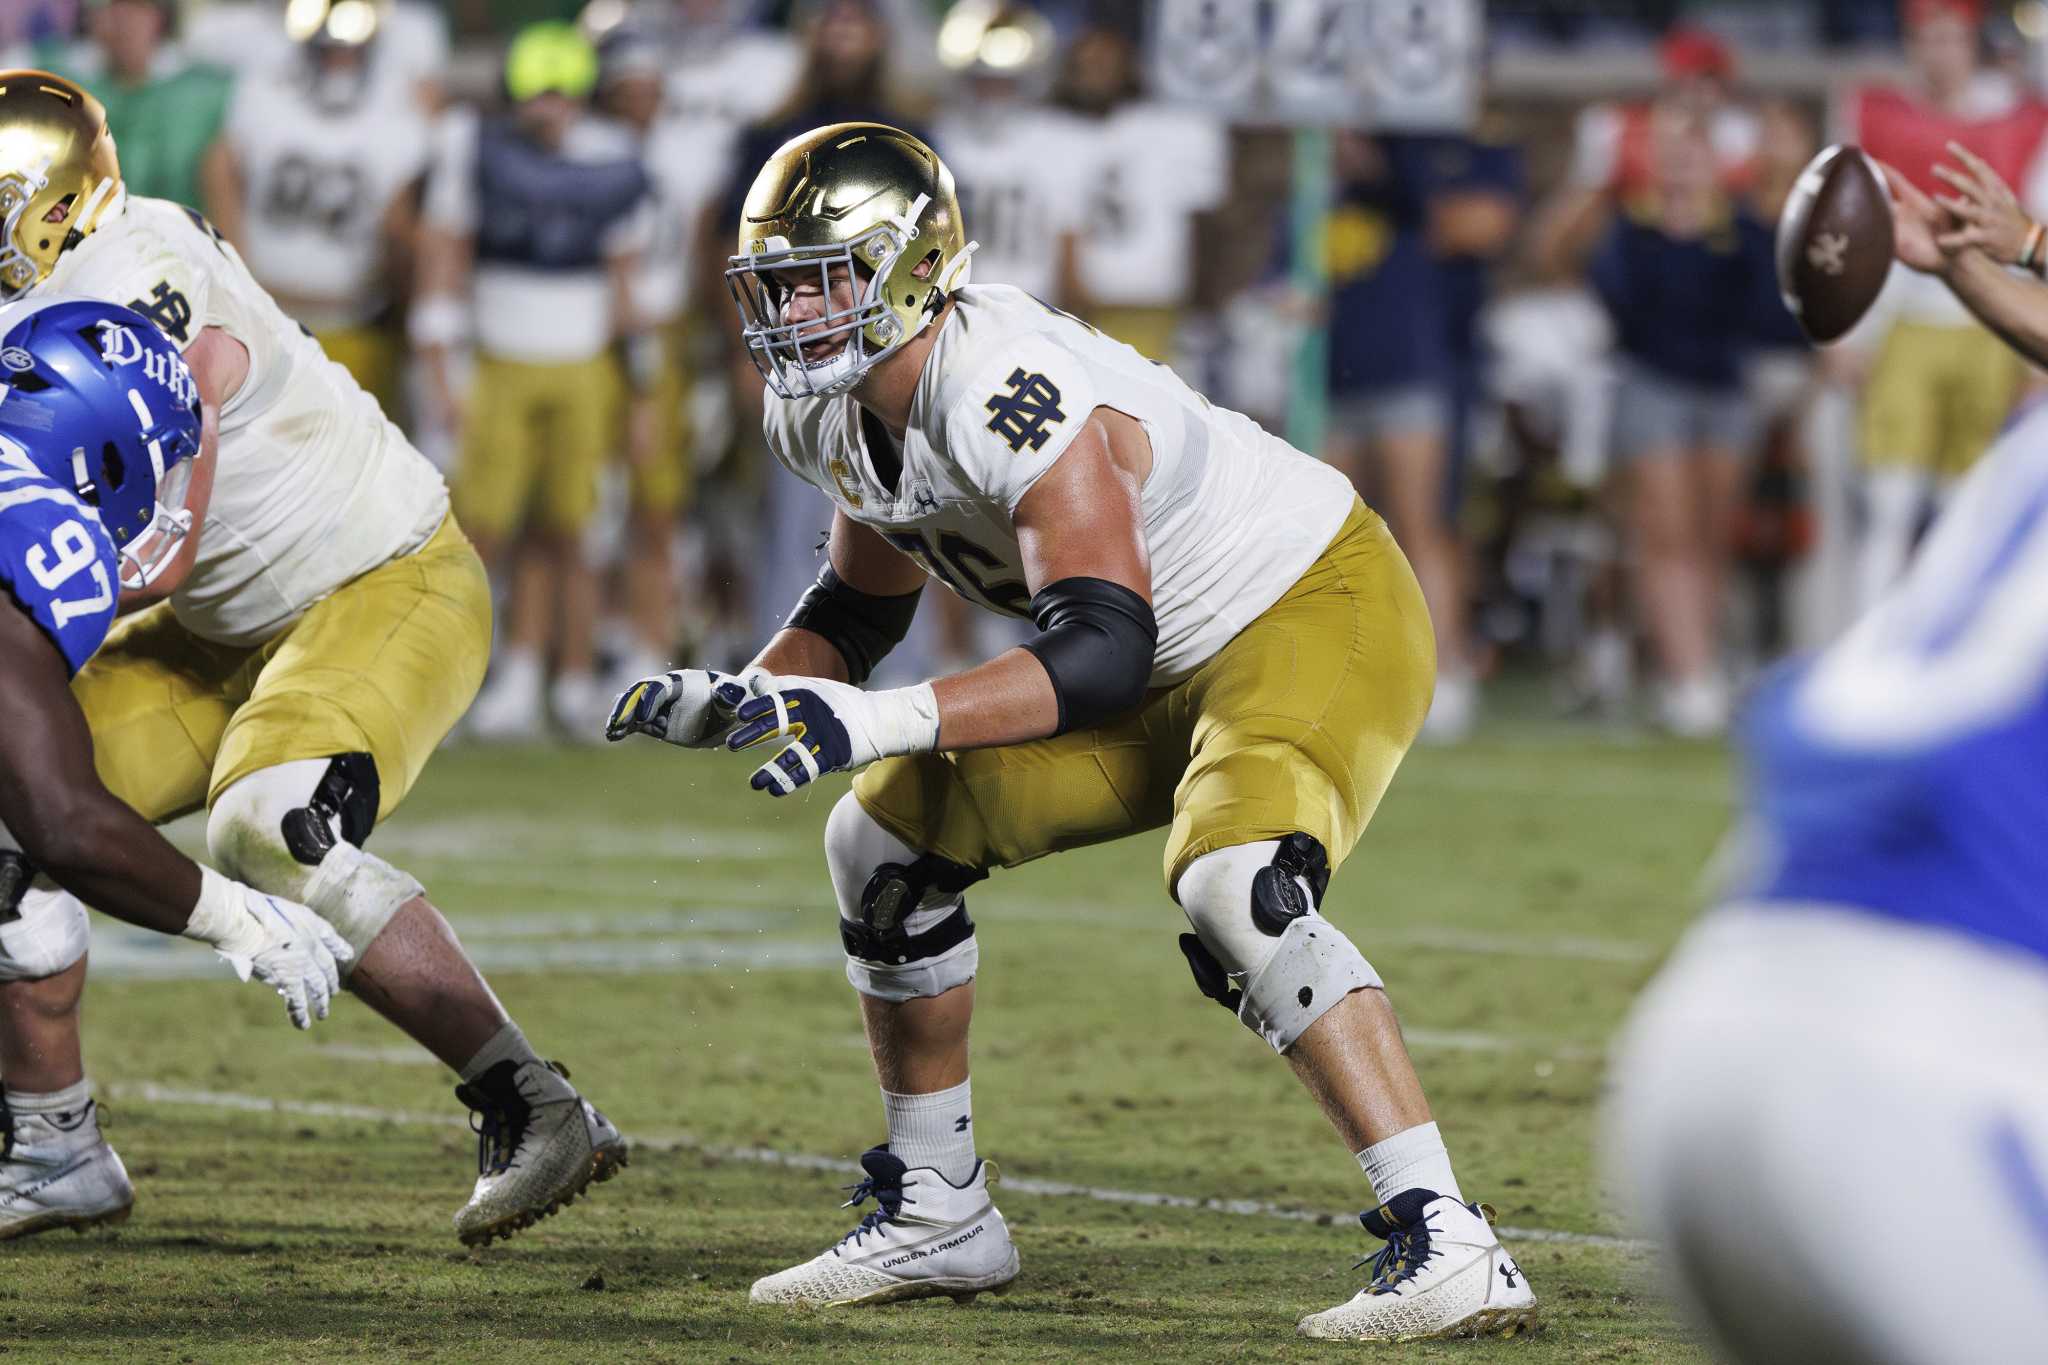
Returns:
(1230, 644)
(326, 623)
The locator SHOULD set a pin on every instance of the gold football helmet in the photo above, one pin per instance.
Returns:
(863, 196)
(58, 174)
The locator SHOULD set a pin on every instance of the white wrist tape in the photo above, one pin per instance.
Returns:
(438, 320)
(906, 720)
(221, 918)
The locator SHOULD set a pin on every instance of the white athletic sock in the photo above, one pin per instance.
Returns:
(64, 1113)
(508, 1043)
(935, 1130)
(1412, 1159)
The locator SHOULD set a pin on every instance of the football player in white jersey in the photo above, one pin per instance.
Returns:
(326, 623)
(323, 157)
(1229, 643)
(1153, 169)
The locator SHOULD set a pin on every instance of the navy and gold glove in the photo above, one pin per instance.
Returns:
(693, 707)
(830, 727)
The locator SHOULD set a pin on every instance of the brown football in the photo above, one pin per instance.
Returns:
(1835, 241)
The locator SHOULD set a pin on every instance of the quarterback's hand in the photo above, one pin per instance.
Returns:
(692, 707)
(831, 727)
(280, 943)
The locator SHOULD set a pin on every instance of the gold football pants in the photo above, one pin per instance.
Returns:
(1297, 724)
(1936, 397)
(535, 441)
(385, 666)
(660, 483)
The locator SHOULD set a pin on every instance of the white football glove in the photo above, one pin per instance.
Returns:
(831, 727)
(281, 943)
(692, 707)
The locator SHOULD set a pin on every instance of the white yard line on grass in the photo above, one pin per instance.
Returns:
(765, 938)
(149, 1092)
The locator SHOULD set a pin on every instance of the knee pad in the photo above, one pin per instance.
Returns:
(1259, 946)
(902, 918)
(296, 830)
(43, 931)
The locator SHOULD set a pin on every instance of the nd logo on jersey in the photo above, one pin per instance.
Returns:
(1023, 414)
(168, 309)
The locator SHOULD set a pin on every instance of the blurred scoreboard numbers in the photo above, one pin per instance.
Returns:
(1407, 65)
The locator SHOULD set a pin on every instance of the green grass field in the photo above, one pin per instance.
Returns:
(669, 935)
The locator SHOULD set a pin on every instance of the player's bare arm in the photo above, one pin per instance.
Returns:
(220, 366)
(868, 564)
(69, 825)
(1927, 238)
(1081, 523)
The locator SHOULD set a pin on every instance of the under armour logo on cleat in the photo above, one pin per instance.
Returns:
(960, 1124)
(1508, 1273)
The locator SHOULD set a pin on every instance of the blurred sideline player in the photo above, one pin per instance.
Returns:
(99, 380)
(1013, 159)
(1229, 643)
(1612, 157)
(1939, 386)
(534, 224)
(1678, 271)
(253, 39)
(1154, 170)
(327, 623)
(687, 157)
(164, 106)
(1389, 380)
(322, 164)
(1864, 1027)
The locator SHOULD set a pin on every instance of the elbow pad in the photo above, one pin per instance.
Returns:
(861, 626)
(1096, 640)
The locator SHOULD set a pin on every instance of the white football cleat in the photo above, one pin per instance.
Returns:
(539, 1145)
(926, 1237)
(579, 705)
(1442, 1273)
(1453, 710)
(509, 707)
(56, 1171)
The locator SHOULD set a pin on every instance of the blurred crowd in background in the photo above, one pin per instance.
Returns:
(1538, 324)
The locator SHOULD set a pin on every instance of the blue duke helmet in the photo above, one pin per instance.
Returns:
(99, 422)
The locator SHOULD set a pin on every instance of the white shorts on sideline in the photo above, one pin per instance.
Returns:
(1836, 1127)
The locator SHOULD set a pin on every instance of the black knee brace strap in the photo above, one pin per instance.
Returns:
(887, 900)
(17, 874)
(1276, 902)
(347, 796)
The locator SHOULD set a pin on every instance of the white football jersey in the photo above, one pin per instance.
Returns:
(1233, 516)
(1019, 195)
(318, 186)
(313, 486)
(1153, 169)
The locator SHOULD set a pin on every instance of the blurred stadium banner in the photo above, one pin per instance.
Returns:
(1407, 65)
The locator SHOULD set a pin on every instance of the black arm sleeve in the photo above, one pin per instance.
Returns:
(1096, 640)
(861, 626)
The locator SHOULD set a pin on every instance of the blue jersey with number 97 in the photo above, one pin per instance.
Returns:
(1904, 771)
(56, 560)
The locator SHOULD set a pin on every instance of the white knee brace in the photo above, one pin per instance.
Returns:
(45, 934)
(1259, 946)
(902, 918)
(295, 831)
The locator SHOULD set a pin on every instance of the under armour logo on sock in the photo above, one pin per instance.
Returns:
(960, 1124)
(1508, 1273)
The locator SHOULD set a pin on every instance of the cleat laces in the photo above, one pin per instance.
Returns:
(888, 1202)
(1399, 1261)
(500, 1114)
